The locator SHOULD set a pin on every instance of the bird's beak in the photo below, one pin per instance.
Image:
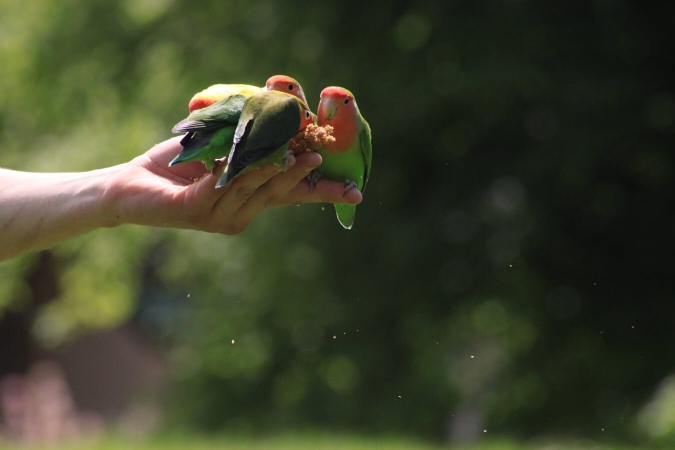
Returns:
(328, 108)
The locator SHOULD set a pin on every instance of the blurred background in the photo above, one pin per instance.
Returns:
(509, 275)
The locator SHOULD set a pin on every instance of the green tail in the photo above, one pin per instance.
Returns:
(345, 214)
(205, 146)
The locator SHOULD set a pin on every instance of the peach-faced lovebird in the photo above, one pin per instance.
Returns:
(217, 92)
(348, 158)
(214, 113)
(284, 83)
(209, 131)
(268, 121)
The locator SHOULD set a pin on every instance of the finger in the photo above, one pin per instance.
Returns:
(239, 190)
(278, 186)
(325, 191)
(269, 194)
(204, 192)
(164, 152)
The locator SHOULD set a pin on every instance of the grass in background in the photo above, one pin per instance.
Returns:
(304, 442)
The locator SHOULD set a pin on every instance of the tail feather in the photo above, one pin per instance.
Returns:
(345, 214)
(195, 148)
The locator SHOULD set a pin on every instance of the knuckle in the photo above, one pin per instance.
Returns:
(243, 191)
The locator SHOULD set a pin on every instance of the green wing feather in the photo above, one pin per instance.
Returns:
(366, 150)
(209, 131)
(220, 114)
(205, 146)
(268, 121)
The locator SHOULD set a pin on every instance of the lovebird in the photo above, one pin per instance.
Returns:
(348, 159)
(284, 83)
(214, 113)
(268, 122)
(217, 92)
(209, 131)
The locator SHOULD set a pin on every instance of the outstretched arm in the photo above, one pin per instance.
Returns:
(39, 210)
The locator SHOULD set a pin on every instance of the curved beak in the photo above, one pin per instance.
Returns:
(328, 108)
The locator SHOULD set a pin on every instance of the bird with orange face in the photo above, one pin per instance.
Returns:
(284, 83)
(347, 158)
(268, 122)
(214, 114)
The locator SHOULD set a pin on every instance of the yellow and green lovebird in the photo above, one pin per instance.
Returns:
(268, 122)
(214, 113)
(348, 159)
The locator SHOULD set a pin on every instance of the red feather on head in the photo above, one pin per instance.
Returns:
(338, 108)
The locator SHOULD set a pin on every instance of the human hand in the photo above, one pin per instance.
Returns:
(147, 191)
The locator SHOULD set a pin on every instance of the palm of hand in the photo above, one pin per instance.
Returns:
(184, 195)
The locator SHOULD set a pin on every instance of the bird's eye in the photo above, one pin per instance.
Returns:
(290, 87)
(307, 114)
(346, 101)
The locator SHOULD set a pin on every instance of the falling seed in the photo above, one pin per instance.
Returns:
(399, 396)
(344, 332)
(233, 341)
(334, 337)
(471, 356)
(633, 326)
(323, 209)
(188, 296)
(510, 265)
(484, 431)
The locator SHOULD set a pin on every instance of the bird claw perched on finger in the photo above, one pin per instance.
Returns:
(313, 178)
(349, 185)
(217, 163)
(284, 161)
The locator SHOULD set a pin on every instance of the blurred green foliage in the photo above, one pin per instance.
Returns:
(509, 269)
(302, 441)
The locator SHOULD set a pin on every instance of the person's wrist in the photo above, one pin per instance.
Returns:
(105, 193)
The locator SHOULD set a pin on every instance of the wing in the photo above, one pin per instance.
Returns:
(239, 140)
(271, 127)
(366, 150)
(226, 111)
(263, 131)
(276, 127)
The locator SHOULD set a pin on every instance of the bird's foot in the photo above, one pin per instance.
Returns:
(349, 185)
(284, 161)
(313, 178)
(217, 163)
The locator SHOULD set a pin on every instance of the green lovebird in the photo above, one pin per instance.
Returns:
(209, 131)
(268, 121)
(347, 159)
(214, 113)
